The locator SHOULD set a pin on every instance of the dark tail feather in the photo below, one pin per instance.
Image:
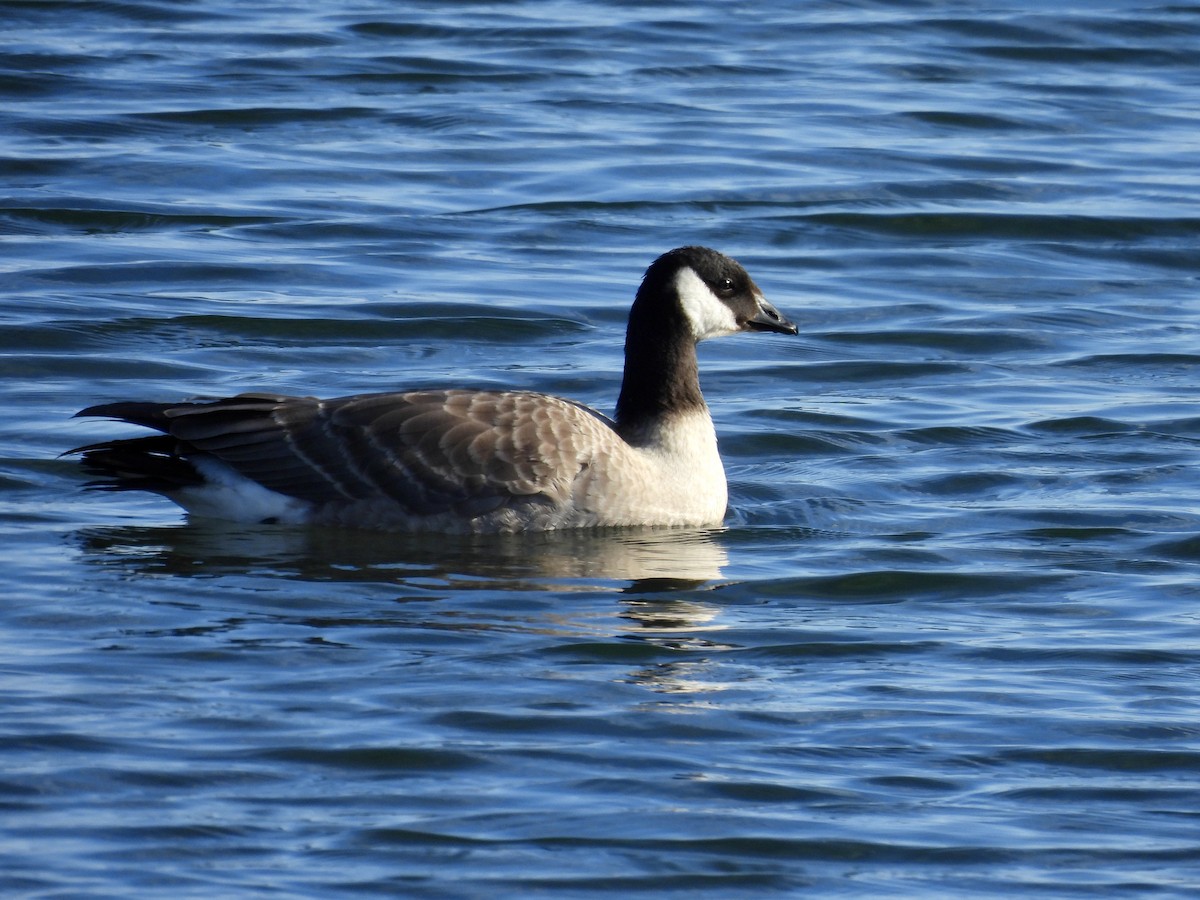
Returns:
(138, 464)
(148, 415)
(154, 463)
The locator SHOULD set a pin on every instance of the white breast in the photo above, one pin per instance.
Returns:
(674, 478)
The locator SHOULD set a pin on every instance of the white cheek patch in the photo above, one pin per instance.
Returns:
(705, 312)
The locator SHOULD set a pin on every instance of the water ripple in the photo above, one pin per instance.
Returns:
(944, 643)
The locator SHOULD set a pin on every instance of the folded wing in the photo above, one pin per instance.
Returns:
(429, 452)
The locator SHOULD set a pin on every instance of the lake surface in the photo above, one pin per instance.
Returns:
(948, 643)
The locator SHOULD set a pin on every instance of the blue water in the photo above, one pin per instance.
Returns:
(948, 643)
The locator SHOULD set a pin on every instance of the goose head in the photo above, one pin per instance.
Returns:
(687, 295)
(707, 293)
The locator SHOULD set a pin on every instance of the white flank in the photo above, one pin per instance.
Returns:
(227, 495)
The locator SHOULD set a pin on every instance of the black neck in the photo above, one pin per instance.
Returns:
(661, 375)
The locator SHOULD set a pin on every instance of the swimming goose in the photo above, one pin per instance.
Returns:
(464, 460)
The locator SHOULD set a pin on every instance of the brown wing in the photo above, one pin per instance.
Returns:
(428, 451)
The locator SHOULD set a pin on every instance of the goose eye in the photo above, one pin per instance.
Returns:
(725, 286)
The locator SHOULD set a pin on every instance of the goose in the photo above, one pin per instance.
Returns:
(465, 460)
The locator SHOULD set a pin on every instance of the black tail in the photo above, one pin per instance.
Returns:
(151, 463)
(138, 464)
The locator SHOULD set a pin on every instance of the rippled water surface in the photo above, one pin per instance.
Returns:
(948, 643)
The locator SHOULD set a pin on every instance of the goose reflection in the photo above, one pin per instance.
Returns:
(632, 560)
(661, 577)
(689, 630)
